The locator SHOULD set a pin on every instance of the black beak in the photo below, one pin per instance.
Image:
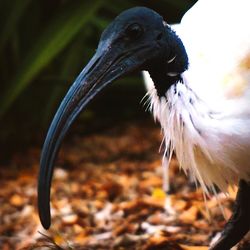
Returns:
(106, 65)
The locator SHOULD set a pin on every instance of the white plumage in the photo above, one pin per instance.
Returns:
(206, 119)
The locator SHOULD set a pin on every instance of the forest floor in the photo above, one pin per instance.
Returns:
(107, 194)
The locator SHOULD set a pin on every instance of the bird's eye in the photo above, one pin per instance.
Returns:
(134, 31)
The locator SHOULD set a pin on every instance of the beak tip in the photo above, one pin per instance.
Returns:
(44, 206)
(43, 189)
(46, 225)
(45, 219)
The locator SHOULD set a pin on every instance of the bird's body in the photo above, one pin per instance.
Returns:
(199, 88)
(206, 117)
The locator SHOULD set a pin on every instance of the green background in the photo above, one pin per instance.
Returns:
(44, 44)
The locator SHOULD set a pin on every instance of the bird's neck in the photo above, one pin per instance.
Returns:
(167, 71)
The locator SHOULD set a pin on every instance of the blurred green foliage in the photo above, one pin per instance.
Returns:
(43, 45)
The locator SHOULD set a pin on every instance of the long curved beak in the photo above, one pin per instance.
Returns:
(105, 66)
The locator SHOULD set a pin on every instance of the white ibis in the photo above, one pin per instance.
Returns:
(200, 93)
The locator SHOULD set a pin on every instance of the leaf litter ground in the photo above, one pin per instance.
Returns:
(107, 194)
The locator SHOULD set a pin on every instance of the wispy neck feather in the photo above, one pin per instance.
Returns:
(180, 133)
(201, 138)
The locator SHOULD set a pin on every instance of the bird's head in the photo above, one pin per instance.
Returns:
(136, 40)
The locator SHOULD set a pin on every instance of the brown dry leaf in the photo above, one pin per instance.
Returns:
(179, 204)
(194, 247)
(161, 242)
(70, 219)
(17, 200)
(153, 181)
(107, 194)
(201, 224)
(189, 216)
(232, 191)
(153, 201)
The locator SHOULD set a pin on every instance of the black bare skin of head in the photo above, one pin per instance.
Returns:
(136, 40)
